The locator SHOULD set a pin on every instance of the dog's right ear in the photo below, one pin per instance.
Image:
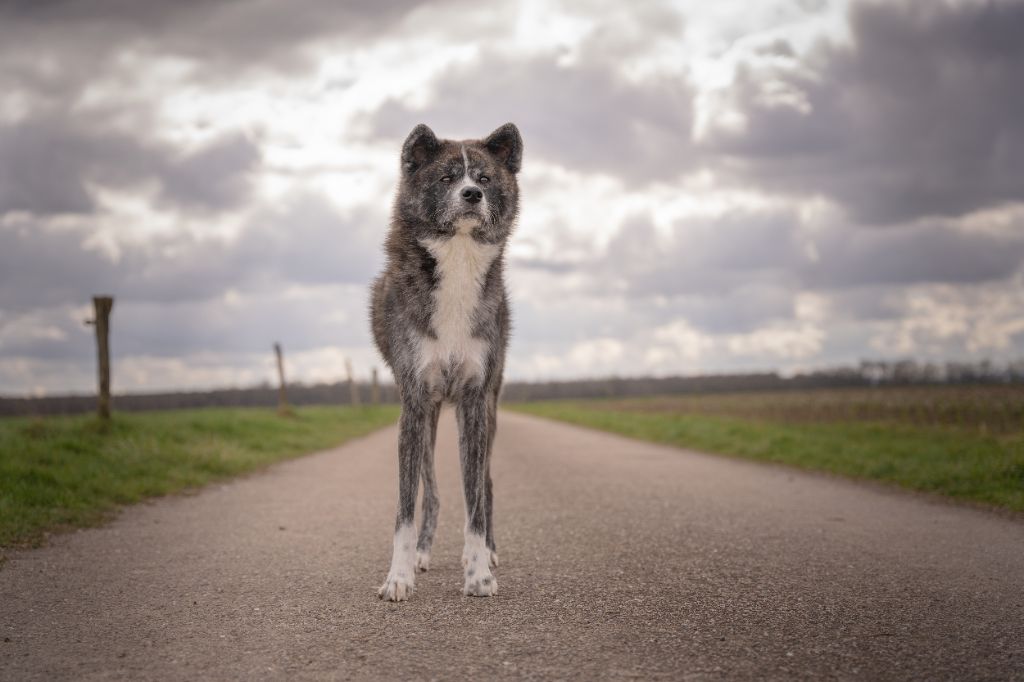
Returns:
(419, 148)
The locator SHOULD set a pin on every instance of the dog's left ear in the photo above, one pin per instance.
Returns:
(507, 146)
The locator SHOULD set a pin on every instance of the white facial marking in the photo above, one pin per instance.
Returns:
(455, 198)
(466, 180)
(463, 263)
(476, 560)
(398, 586)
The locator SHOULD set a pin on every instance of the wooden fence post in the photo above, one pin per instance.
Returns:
(282, 392)
(102, 306)
(353, 390)
(375, 390)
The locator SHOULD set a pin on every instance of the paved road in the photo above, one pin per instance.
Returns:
(619, 560)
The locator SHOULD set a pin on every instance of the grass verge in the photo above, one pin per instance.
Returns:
(959, 463)
(60, 472)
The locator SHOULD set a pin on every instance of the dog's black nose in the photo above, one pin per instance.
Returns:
(472, 194)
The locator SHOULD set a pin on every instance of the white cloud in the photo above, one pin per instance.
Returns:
(938, 319)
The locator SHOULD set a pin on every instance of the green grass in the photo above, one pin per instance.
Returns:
(958, 462)
(60, 472)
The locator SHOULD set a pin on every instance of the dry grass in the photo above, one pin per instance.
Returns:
(984, 409)
(963, 443)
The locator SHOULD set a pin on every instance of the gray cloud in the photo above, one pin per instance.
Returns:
(715, 255)
(741, 310)
(923, 115)
(303, 241)
(41, 267)
(723, 275)
(330, 317)
(876, 303)
(215, 176)
(42, 167)
(48, 163)
(40, 172)
(585, 116)
(172, 291)
(734, 272)
(228, 39)
(919, 254)
(306, 241)
(778, 48)
(724, 253)
(178, 329)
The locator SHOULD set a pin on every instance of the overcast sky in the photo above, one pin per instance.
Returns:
(706, 187)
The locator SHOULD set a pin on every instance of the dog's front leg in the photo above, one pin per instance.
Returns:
(492, 425)
(474, 434)
(413, 438)
(430, 499)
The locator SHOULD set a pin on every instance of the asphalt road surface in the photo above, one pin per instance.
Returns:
(619, 560)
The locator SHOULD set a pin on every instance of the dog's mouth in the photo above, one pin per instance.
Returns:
(464, 221)
(467, 222)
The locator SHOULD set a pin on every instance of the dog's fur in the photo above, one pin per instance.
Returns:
(440, 318)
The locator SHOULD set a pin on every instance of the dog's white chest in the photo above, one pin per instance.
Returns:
(462, 264)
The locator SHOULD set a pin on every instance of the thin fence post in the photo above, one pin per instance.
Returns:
(282, 391)
(353, 391)
(375, 390)
(102, 306)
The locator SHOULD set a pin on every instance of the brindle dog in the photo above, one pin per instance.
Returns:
(440, 318)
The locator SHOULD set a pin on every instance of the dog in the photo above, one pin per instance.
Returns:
(440, 317)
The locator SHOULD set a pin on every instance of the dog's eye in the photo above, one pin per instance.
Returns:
(446, 179)
(484, 179)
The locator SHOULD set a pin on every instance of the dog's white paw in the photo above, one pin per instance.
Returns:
(476, 559)
(468, 556)
(422, 561)
(480, 584)
(396, 587)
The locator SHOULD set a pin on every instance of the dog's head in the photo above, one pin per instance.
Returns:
(470, 186)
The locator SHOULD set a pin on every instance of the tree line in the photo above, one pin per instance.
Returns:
(867, 373)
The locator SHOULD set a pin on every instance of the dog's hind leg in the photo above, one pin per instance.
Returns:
(413, 437)
(492, 426)
(472, 411)
(431, 502)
